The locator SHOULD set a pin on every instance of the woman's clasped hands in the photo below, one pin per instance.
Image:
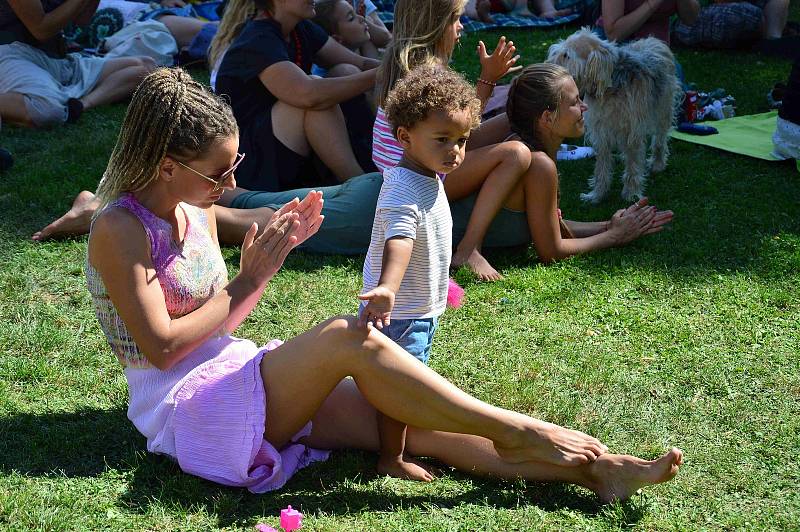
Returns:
(288, 227)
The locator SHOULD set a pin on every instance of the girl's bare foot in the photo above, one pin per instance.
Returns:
(75, 221)
(405, 467)
(533, 439)
(615, 477)
(476, 263)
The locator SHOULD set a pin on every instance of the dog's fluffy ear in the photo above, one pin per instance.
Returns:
(597, 73)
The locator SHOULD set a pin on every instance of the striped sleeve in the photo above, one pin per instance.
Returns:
(386, 151)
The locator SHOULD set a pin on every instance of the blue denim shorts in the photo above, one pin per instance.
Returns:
(415, 336)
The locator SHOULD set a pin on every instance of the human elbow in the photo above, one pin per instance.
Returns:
(163, 357)
(307, 97)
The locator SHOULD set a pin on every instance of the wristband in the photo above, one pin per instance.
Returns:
(487, 82)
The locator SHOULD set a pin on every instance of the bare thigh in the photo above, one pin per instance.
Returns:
(288, 127)
(345, 421)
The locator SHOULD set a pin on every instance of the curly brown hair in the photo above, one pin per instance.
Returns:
(429, 88)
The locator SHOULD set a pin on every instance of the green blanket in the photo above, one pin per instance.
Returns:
(749, 135)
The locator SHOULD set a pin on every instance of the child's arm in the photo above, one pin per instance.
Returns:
(494, 66)
(396, 255)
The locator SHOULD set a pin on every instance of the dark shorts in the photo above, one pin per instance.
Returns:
(723, 25)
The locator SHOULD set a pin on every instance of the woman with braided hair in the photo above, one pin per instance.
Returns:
(231, 412)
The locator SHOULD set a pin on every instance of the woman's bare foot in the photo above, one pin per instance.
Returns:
(476, 263)
(533, 439)
(615, 477)
(75, 221)
(405, 467)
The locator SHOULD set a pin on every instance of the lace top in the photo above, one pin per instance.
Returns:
(190, 273)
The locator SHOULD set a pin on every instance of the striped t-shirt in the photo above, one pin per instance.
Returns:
(414, 206)
(386, 151)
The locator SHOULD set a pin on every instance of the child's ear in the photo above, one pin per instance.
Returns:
(403, 137)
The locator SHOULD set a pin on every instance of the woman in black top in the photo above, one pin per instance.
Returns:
(283, 112)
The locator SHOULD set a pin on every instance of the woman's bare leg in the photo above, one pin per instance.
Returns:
(299, 376)
(347, 421)
(118, 79)
(323, 131)
(76, 221)
(494, 170)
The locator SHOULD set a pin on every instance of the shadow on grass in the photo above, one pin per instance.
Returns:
(90, 442)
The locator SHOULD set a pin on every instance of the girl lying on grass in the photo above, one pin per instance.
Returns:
(242, 415)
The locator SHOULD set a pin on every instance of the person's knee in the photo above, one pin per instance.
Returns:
(348, 339)
(516, 153)
(147, 65)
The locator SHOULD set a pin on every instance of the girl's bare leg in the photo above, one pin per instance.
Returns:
(183, 29)
(299, 376)
(347, 421)
(495, 171)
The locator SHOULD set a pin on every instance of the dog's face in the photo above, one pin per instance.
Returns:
(587, 58)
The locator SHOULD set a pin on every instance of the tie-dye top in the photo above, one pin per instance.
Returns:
(190, 273)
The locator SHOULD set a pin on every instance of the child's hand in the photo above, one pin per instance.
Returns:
(500, 63)
(378, 310)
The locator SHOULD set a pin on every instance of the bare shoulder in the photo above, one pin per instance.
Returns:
(543, 166)
(119, 230)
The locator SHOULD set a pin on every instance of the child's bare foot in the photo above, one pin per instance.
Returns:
(533, 439)
(554, 14)
(616, 477)
(75, 221)
(477, 263)
(484, 9)
(405, 467)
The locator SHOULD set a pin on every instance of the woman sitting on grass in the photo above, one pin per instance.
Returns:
(285, 115)
(236, 414)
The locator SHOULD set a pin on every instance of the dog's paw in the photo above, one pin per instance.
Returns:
(592, 197)
(630, 195)
(657, 166)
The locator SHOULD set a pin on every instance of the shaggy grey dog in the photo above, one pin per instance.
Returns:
(631, 91)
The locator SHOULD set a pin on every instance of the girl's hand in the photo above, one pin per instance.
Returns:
(660, 219)
(379, 309)
(631, 223)
(500, 63)
(263, 256)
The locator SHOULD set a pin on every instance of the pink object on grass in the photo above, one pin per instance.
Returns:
(261, 527)
(291, 519)
(455, 294)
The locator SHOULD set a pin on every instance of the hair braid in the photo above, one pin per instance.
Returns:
(170, 114)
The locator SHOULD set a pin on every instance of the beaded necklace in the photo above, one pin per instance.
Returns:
(298, 49)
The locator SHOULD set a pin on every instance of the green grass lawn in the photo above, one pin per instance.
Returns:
(688, 338)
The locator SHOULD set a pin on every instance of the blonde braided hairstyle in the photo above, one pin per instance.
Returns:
(170, 114)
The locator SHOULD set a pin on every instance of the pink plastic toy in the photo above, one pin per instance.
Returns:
(455, 294)
(291, 519)
(261, 527)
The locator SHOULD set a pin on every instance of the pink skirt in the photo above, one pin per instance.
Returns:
(219, 421)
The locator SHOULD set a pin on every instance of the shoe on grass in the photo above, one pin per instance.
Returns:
(570, 152)
(6, 160)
